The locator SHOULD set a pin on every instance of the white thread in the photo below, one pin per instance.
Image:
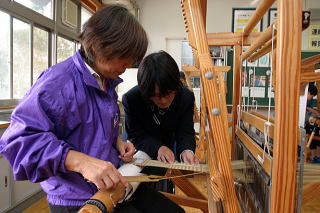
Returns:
(238, 113)
(268, 123)
(249, 87)
(253, 100)
(266, 138)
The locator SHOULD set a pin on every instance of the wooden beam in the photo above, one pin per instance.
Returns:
(260, 41)
(191, 70)
(4, 125)
(261, 115)
(188, 201)
(236, 93)
(202, 144)
(185, 185)
(310, 192)
(310, 62)
(217, 121)
(93, 5)
(288, 68)
(8, 107)
(256, 150)
(264, 50)
(258, 15)
(231, 39)
(212, 206)
(204, 10)
(309, 77)
(194, 71)
(257, 122)
(187, 23)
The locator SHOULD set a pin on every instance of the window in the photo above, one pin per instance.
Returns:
(65, 49)
(85, 15)
(40, 51)
(28, 44)
(43, 7)
(21, 58)
(5, 56)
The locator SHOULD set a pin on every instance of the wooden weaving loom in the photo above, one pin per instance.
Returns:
(289, 72)
(278, 171)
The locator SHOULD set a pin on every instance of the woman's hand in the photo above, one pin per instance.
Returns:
(102, 173)
(126, 150)
(189, 158)
(165, 155)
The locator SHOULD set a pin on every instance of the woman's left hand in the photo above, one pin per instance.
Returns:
(126, 150)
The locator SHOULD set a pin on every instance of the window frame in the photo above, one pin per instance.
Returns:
(53, 26)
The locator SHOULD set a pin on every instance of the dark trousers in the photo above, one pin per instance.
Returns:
(144, 200)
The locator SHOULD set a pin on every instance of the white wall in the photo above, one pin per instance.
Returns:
(163, 18)
(129, 80)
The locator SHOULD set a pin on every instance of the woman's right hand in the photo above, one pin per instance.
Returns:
(102, 173)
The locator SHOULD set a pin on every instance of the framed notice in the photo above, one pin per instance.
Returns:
(314, 37)
(240, 18)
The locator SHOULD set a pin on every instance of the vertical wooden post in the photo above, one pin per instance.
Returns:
(236, 92)
(214, 101)
(288, 67)
(204, 11)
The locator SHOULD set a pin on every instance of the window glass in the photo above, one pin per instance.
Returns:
(85, 15)
(21, 58)
(40, 51)
(65, 49)
(43, 7)
(5, 56)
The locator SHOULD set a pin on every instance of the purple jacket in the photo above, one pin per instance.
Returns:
(64, 109)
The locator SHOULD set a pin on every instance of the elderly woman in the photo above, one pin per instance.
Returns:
(64, 132)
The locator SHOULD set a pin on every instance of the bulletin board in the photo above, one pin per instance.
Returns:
(258, 89)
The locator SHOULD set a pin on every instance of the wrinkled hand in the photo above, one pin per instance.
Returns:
(189, 158)
(165, 155)
(102, 173)
(126, 150)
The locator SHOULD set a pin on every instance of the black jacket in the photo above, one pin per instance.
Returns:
(176, 124)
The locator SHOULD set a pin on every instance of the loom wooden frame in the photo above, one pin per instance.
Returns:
(219, 146)
(289, 20)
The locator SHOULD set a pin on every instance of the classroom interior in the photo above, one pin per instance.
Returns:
(249, 63)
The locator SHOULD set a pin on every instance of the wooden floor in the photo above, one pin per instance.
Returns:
(42, 206)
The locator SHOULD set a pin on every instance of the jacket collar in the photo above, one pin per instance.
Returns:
(88, 78)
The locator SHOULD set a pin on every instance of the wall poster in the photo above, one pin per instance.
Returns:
(240, 18)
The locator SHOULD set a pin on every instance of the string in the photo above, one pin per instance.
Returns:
(268, 123)
(240, 85)
(177, 176)
(249, 88)
(254, 102)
